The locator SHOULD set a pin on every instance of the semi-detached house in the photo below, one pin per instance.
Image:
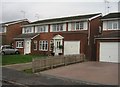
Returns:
(63, 36)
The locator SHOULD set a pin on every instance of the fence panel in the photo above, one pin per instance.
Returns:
(54, 61)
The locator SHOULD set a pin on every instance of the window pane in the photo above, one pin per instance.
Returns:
(114, 25)
(109, 25)
(118, 24)
(81, 25)
(54, 27)
(61, 27)
(77, 25)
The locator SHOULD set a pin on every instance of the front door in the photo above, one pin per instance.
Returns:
(27, 48)
(57, 44)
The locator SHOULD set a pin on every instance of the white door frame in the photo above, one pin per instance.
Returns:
(27, 46)
(57, 40)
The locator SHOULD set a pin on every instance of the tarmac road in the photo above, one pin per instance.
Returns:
(20, 78)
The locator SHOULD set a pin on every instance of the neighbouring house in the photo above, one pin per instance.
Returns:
(108, 42)
(60, 36)
(10, 30)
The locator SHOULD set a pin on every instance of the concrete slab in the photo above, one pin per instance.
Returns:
(95, 72)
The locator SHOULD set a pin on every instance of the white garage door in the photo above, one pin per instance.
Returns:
(71, 47)
(109, 52)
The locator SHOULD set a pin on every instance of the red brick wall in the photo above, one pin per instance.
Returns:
(94, 30)
(13, 30)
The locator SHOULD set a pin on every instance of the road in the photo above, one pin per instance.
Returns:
(20, 78)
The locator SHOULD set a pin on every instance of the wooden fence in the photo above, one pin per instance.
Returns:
(55, 61)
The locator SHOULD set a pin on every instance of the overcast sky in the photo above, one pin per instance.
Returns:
(34, 9)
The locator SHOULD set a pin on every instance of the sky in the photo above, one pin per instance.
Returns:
(34, 10)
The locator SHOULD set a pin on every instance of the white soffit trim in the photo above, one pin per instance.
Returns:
(17, 22)
(110, 19)
(95, 16)
(34, 36)
(58, 37)
(54, 22)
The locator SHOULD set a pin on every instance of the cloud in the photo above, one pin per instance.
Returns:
(12, 10)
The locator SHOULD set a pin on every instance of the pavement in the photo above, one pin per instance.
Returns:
(19, 67)
(94, 72)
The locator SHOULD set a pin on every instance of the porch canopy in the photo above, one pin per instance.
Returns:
(26, 36)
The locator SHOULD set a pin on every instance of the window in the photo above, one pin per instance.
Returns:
(41, 29)
(77, 26)
(109, 25)
(28, 30)
(35, 45)
(2, 29)
(57, 27)
(19, 44)
(43, 45)
(112, 25)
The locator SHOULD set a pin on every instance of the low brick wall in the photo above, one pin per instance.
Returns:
(55, 61)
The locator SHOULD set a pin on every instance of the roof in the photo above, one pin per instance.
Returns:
(66, 18)
(13, 22)
(111, 15)
(27, 36)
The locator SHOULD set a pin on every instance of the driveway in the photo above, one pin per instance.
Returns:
(95, 72)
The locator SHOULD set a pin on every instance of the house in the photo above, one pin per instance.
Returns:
(108, 42)
(10, 30)
(60, 36)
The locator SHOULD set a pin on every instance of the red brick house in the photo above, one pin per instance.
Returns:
(66, 36)
(10, 30)
(108, 42)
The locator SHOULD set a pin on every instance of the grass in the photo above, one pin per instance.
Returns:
(15, 59)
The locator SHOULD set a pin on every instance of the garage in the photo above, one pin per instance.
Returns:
(71, 47)
(109, 52)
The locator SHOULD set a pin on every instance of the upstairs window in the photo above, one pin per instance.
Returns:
(57, 27)
(77, 26)
(41, 28)
(112, 25)
(28, 30)
(3, 30)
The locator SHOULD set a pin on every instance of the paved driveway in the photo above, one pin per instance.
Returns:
(95, 72)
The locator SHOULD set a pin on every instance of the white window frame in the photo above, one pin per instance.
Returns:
(35, 43)
(110, 25)
(19, 44)
(28, 30)
(41, 28)
(58, 27)
(79, 24)
(42, 45)
(3, 30)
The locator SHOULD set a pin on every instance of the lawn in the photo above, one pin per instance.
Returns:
(15, 59)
